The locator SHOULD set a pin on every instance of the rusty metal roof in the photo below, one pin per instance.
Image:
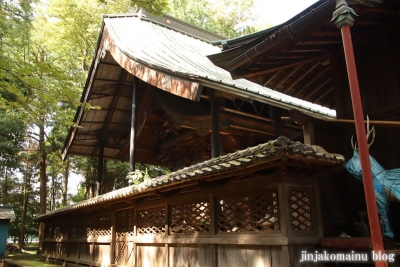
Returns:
(164, 48)
(272, 150)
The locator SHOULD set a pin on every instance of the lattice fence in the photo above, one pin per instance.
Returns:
(74, 228)
(249, 213)
(191, 218)
(48, 230)
(125, 223)
(87, 227)
(151, 221)
(300, 207)
(56, 230)
(103, 225)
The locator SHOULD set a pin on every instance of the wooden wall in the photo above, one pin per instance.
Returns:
(378, 68)
(255, 222)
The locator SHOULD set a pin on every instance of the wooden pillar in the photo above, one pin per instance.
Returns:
(133, 126)
(113, 236)
(276, 115)
(308, 133)
(166, 234)
(215, 137)
(100, 168)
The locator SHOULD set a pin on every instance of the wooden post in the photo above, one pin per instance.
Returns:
(276, 116)
(214, 226)
(133, 125)
(100, 168)
(343, 18)
(167, 223)
(215, 138)
(113, 236)
(308, 133)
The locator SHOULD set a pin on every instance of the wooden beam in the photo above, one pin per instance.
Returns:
(302, 118)
(271, 78)
(287, 64)
(285, 76)
(323, 95)
(293, 83)
(317, 88)
(311, 81)
(247, 114)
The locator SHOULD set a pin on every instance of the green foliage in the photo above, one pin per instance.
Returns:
(144, 172)
(15, 198)
(12, 134)
(229, 18)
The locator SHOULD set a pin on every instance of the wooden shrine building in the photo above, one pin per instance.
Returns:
(239, 194)
(304, 58)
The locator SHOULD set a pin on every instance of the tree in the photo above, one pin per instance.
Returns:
(12, 134)
(229, 18)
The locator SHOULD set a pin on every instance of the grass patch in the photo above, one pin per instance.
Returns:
(29, 258)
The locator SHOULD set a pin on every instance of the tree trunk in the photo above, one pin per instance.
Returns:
(108, 180)
(5, 189)
(24, 209)
(65, 182)
(43, 183)
(53, 193)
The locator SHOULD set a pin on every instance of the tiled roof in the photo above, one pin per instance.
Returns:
(271, 150)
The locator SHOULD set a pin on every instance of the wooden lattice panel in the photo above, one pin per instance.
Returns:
(57, 230)
(87, 227)
(103, 225)
(75, 226)
(191, 218)
(249, 214)
(151, 221)
(48, 230)
(300, 207)
(64, 229)
(125, 222)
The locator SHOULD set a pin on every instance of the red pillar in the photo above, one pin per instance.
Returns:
(344, 19)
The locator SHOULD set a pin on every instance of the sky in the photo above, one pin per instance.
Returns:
(278, 11)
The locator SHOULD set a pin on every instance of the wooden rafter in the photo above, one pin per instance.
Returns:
(323, 95)
(310, 82)
(317, 88)
(271, 78)
(298, 79)
(285, 65)
(285, 76)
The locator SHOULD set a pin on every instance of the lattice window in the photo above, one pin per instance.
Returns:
(301, 210)
(249, 214)
(125, 221)
(151, 221)
(74, 229)
(103, 225)
(56, 230)
(48, 230)
(64, 229)
(191, 218)
(87, 227)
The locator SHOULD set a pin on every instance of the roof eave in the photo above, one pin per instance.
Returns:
(283, 34)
